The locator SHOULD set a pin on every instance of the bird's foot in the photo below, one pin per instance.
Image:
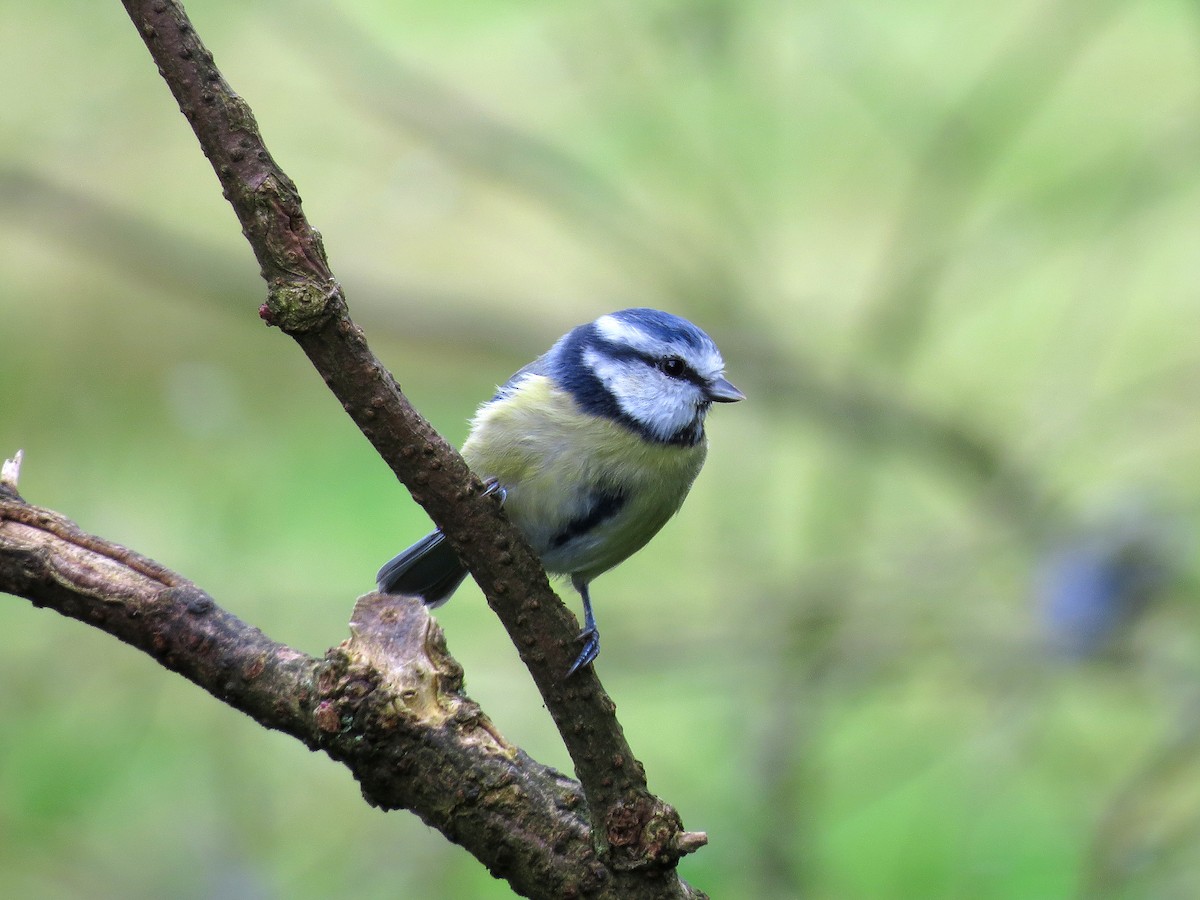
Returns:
(591, 649)
(492, 486)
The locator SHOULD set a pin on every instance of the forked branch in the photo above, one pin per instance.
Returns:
(636, 838)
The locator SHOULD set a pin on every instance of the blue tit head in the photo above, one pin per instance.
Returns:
(654, 372)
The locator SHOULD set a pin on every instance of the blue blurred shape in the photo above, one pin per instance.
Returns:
(1094, 587)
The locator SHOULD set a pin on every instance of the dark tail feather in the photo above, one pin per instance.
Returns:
(429, 569)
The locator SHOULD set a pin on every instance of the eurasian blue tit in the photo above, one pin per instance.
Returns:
(592, 446)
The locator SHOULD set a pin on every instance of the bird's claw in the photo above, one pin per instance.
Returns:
(492, 486)
(591, 649)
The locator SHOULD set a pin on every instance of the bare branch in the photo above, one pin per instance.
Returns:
(49, 560)
(388, 703)
(634, 830)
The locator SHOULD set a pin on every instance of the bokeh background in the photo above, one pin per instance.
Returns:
(926, 627)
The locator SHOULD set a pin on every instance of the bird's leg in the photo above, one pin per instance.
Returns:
(590, 634)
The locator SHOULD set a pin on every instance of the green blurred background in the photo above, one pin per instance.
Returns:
(926, 627)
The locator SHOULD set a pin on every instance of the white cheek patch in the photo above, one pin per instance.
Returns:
(660, 404)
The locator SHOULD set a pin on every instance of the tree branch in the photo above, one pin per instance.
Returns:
(634, 832)
(388, 703)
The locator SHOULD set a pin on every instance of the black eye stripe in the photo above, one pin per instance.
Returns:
(624, 351)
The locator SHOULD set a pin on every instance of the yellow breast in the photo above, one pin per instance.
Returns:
(551, 458)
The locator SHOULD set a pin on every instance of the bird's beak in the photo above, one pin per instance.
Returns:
(721, 391)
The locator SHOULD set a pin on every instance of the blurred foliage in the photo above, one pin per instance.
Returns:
(950, 254)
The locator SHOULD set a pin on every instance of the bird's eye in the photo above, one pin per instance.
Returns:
(672, 366)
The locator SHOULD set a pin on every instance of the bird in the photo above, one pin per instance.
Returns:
(592, 447)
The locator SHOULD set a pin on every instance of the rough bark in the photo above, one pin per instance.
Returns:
(636, 839)
(305, 301)
(387, 703)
